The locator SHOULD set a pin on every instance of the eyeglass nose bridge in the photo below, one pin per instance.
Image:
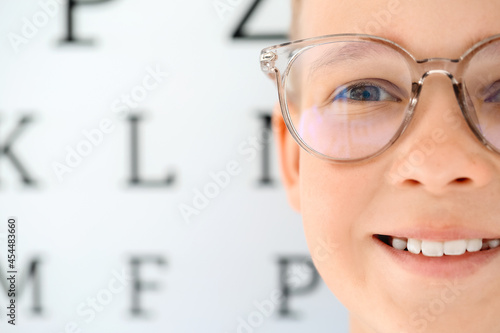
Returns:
(428, 71)
(448, 68)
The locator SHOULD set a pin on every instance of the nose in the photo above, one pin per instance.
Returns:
(438, 151)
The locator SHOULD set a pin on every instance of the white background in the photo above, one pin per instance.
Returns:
(91, 223)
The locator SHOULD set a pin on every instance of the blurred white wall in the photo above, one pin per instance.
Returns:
(150, 201)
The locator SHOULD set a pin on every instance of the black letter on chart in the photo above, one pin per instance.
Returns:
(70, 20)
(138, 285)
(239, 33)
(294, 283)
(135, 178)
(33, 274)
(6, 150)
(266, 130)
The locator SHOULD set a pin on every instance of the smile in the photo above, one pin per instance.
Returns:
(438, 249)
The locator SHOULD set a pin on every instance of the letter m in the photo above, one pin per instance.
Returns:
(32, 273)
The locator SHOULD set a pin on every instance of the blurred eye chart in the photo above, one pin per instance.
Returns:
(139, 179)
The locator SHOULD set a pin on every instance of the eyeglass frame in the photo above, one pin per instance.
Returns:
(279, 58)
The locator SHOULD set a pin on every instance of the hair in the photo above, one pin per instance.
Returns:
(295, 19)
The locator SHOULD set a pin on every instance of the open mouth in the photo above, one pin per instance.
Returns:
(438, 249)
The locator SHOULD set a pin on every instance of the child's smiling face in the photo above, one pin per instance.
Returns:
(452, 194)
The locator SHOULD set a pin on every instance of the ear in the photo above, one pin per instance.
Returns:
(289, 153)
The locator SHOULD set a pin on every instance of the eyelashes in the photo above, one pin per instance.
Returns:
(365, 91)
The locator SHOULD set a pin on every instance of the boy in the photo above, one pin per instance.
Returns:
(403, 186)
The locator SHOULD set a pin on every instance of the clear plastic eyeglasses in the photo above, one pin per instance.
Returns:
(347, 98)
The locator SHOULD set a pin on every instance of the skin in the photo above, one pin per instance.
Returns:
(457, 184)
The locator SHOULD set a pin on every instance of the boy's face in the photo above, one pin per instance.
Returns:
(453, 193)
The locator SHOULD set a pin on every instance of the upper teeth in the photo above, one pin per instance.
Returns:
(437, 249)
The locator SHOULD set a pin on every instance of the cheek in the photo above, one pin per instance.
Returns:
(334, 202)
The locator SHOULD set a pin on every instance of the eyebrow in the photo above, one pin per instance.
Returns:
(350, 51)
(489, 52)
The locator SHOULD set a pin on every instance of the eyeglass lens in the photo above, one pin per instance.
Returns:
(348, 100)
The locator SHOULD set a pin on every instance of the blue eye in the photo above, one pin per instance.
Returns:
(365, 92)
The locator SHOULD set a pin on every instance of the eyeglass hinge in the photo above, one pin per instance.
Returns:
(268, 56)
(267, 60)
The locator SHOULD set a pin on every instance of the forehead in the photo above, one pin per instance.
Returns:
(426, 28)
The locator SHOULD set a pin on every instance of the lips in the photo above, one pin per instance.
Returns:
(446, 255)
(431, 248)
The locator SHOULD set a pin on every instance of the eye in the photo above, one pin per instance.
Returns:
(365, 92)
(493, 98)
(491, 93)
